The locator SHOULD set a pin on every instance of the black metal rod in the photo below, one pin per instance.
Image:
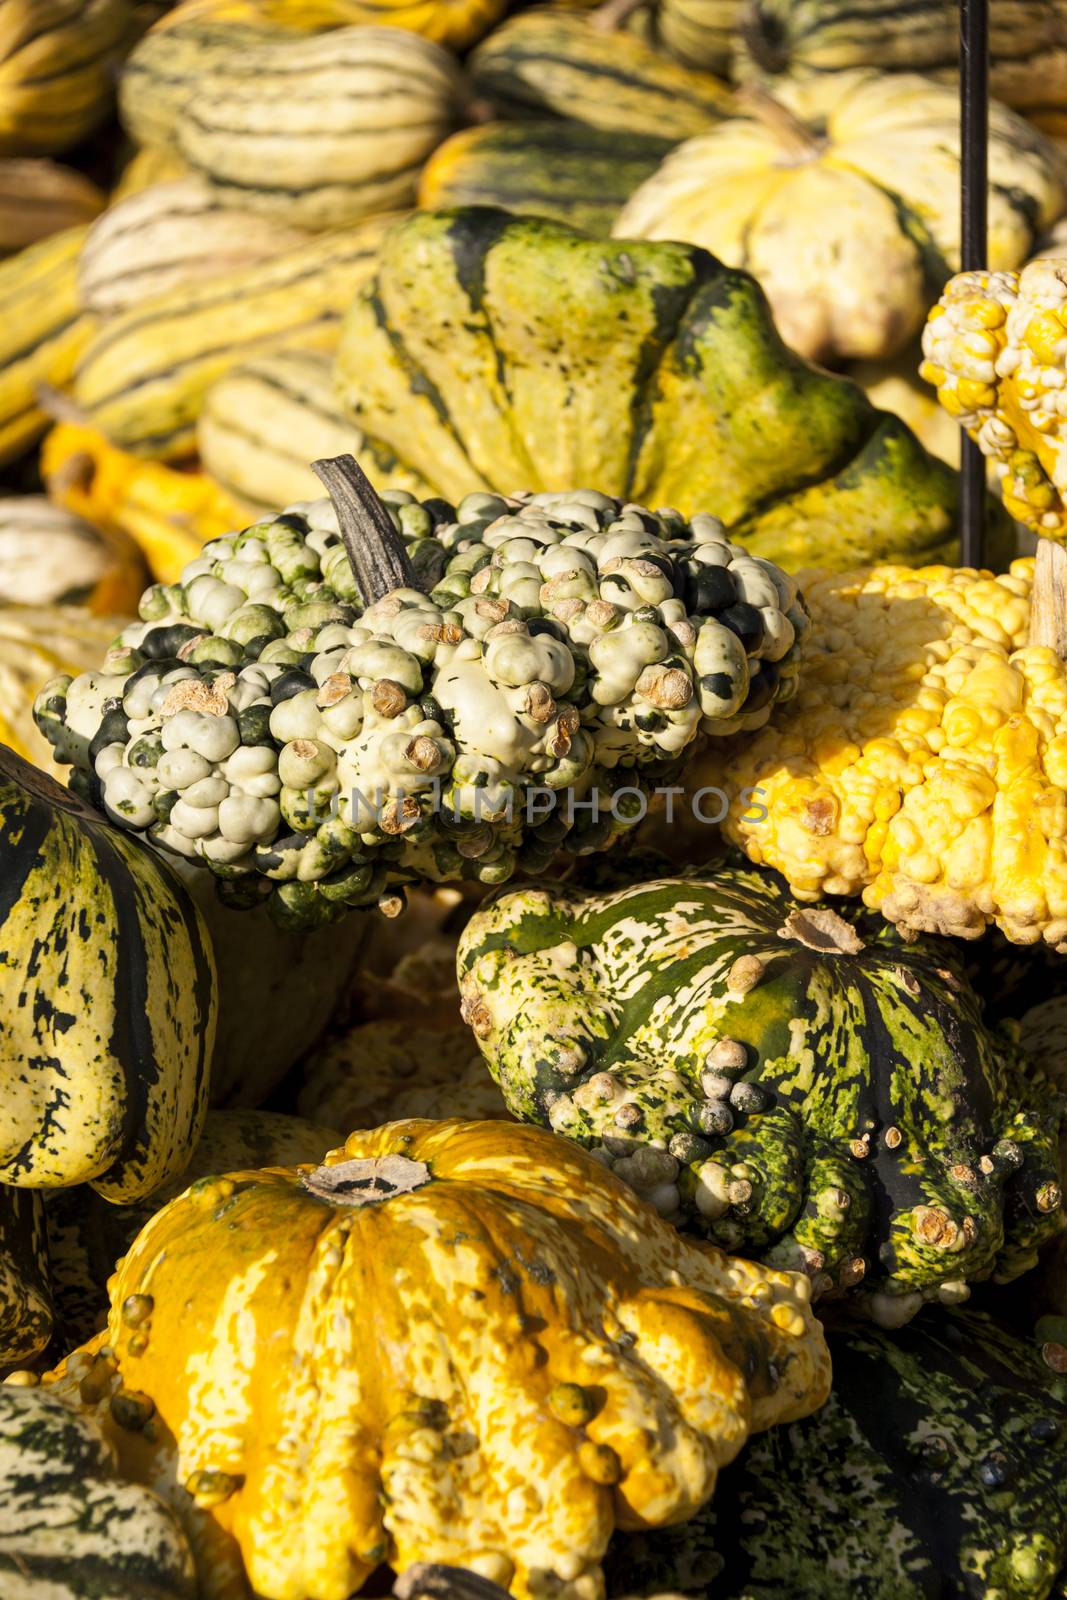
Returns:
(974, 187)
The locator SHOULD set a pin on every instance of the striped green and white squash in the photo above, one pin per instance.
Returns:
(167, 235)
(264, 422)
(1027, 39)
(104, 1064)
(699, 33)
(70, 1527)
(25, 1297)
(554, 63)
(568, 171)
(42, 333)
(143, 377)
(812, 1091)
(319, 130)
(938, 1467)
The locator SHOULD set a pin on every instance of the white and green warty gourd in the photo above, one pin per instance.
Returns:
(315, 750)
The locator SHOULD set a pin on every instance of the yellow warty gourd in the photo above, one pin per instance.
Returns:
(996, 351)
(923, 762)
(841, 195)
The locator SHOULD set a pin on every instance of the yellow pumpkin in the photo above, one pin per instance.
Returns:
(461, 1342)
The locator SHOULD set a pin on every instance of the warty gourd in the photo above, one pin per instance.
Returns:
(306, 747)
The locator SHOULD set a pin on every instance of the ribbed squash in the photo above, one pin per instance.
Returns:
(263, 423)
(39, 198)
(937, 1468)
(86, 1235)
(319, 130)
(168, 514)
(453, 23)
(70, 1527)
(842, 197)
(104, 1062)
(57, 69)
(817, 1093)
(1027, 42)
(563, 170)
(143, 376)
(48, 555)
(171, 234)
(36, 642)
(42, 333)
(995, 347)
(554, 63)
(492, 352)
(922, 762)
(25, 1296)
(699, 33)
(542, 1360)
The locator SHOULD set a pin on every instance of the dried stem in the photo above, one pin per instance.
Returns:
(1048, 601)
(376, 552)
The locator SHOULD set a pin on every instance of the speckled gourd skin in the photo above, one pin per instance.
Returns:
(938, 1467)
(70, 1528)
(25, 1298)
(104, 1062)
(572, 644)
(816, 1093)
(492, 1368)
(491, 351)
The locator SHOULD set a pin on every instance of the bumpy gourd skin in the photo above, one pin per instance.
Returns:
(923, 762)
(816, 1093)
(938, 1467)
(491, 1367)
(994, 347)
(257, 716)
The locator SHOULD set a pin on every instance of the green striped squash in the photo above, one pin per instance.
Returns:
(699, 33)
(1027, 39)
(319, 130)
(264, 422)
(937, 1468)
(564, 170)
(25, 1298)
(493, 352)
(812, 1091)
(86, 1234)
(57, 69)
(104, 1064)
(167, 235)
(70, 1527)
(143, 377)
(555, 63)
(165, 69)
(42, 333)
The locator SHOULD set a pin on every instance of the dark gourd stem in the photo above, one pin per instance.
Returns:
(1048, 599)
(376, 552)
(764, 37)
(59, 406)
(613, 13)
(783, 123)
(428, 1581)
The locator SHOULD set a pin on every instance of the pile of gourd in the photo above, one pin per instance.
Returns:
(611, 802)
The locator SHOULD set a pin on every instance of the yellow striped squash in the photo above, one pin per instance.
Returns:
(25, 1300)
(700, 33)
(42, 333)
(36, 643)
(39, 198)
(263, 423)
(556, 63)
(162, 73)
(104, 1065)
(57, 66)
(154, 164)
(167, 513)
(320, 130)
(1027, 38)
(144, 375)
(454, 23)
(169, 234)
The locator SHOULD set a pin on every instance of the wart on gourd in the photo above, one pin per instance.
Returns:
(262, 720)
